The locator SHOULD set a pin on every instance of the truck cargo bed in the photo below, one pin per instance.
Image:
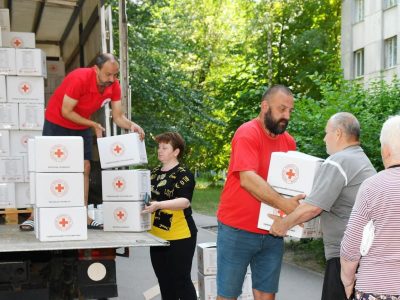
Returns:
(12, 239)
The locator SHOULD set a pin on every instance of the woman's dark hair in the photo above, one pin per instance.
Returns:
(173, 138)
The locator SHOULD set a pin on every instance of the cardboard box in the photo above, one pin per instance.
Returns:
(292, 172)
(30, 62)
(311, 229)
(125, 216)
(7, 195)
(25, 89)
(11, 169)
(4, 143)
(18, 39)
(125, 185)
(56, 154)
(4, 19)
(121, 150)
(207, 258)
(9, 116)
(56, 68)
(3, 94)
(19, 140)
(208, 287)
(52, 83)
(31, 116)
(22, 195)
(7, 61)
(61, 224)
(58, 189)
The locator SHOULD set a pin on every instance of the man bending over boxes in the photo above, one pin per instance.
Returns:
(333, 194)
(82, 93)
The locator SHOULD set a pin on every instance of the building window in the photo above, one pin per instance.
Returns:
(359, 63)
(389, 3)
(359, 11)
(391, 52)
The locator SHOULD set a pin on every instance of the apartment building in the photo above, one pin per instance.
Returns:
(370, 38)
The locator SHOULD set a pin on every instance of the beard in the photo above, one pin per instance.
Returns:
(103, 83)
(275, 126)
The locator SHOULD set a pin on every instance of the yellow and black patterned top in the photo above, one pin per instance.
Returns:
(175, 183)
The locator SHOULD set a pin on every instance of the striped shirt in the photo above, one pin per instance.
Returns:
(378, 199)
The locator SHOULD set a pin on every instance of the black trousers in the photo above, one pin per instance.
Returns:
(333, 287)
(172, 266)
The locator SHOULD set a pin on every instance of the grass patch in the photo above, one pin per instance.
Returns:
(206, 200)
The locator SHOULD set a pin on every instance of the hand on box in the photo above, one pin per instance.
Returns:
(278, 227)
(152, 207)
(136, 128)
(290, 204)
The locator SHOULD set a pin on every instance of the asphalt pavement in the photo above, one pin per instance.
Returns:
(136, 279)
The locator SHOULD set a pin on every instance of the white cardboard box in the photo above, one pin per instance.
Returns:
(56, 154)
(207, 258)
(18, 39)
(9, 116)
(4, 19)
(208, 287)
(22, 195)
(19, 140)
(7, 195)
(30, 62)
(25, 89)
(11, 169)
(121, 150)
(125, 216)
(7, 61)
(125, 185)
(292, 172)
(56, 68)
(310, 229)
(3, 94)
(31, 116)
(61, 224)
(58, 189)
(4, 143)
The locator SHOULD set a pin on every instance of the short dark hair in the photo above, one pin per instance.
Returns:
(274, 89)
(348, 122)
(102, 58)
(173, 138)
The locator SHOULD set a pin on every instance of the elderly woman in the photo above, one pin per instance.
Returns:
(172, 188)
(378, 275)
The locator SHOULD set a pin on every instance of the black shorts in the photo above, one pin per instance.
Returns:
(333, 287)
(51, 129)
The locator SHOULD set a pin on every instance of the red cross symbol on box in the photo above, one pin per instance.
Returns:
(119, 184)
(59, 153)
(25, 88)
(53, 68)
(59, 187)
(63, 222)
(120, 215)
(117, 149)
(290, 173)
(17, 42)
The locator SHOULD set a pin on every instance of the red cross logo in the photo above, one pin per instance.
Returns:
(119, 184)
(290, 173)
(120, 214)
(59, 188)
(59, 153)
(53, 68)
(63, 222)
(17, 42)
(281, 213)
(117, 149)
(25, 88)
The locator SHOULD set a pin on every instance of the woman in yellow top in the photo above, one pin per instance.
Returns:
(172, 188)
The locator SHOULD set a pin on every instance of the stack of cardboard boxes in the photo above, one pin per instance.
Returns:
(292, 173)
(207, 273)
(124, 191)
(57, 188)
(22, 73)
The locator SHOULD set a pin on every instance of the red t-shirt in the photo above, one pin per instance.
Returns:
(80, 85)
(251, 151)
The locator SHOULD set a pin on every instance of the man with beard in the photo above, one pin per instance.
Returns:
(83, 92)
(240, 243)
(333, 194)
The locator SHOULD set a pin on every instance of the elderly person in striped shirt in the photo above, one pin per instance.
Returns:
(378, 199)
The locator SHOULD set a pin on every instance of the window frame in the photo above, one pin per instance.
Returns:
(390, 52)
(359, 70)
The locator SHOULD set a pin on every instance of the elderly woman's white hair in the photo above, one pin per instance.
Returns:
(390, 134)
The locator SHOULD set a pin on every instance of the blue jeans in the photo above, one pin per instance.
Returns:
(236, 250)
